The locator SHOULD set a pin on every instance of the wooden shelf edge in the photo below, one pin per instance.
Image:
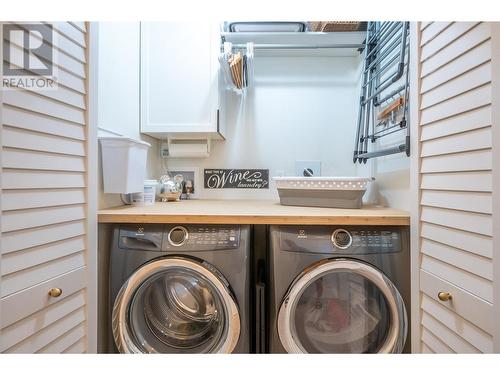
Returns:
(253, 219)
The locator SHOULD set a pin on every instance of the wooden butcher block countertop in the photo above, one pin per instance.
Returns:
(250, 212)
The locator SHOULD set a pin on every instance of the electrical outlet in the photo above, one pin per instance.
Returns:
(164, 150)
(313, 166)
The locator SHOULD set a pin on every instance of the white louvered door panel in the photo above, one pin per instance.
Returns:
(455, 233)
(47, 206)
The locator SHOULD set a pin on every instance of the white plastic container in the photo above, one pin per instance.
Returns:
(123, 164)
(149, 194)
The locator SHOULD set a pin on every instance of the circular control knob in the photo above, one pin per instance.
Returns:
(178, 236)
(341, 238)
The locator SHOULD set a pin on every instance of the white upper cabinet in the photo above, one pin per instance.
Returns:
(179, 80)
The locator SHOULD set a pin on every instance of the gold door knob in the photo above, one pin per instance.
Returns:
(444, 296)
(55, 292)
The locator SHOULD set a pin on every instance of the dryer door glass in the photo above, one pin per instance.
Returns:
(177, 306)
(342, 306)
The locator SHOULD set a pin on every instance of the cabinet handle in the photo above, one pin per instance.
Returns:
(444, 296)
(55, 292)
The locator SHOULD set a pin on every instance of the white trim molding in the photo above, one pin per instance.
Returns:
(495, 110)
(92, 169)
(414, 186)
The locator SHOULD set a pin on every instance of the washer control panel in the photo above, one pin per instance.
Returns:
(201, 237)
(341, 240)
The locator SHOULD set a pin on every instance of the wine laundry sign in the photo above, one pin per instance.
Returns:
(236, 178)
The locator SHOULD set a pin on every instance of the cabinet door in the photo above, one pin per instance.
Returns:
(48, 157)
(179, 79)
(454, 166)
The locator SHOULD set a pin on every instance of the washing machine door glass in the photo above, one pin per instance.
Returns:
(342, 306)
(176, 305)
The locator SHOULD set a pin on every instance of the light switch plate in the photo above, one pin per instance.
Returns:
(312, 165)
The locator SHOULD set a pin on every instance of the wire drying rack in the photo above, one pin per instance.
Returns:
(384, 90)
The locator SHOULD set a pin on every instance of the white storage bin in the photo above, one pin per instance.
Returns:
(123, 164)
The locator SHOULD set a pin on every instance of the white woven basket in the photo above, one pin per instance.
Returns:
(323, 183)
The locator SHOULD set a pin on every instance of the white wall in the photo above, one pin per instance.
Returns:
(301, 108)
(119, 92)
(392, 176)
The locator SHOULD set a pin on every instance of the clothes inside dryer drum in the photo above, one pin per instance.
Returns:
(342, 306)
(178, 310)
(340, 312)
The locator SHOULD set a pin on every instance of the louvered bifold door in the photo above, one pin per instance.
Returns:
(455, 187)
(46, 210)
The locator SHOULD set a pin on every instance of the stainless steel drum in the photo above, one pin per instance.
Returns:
(173, 305)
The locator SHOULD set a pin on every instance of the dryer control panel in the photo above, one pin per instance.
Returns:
(343, 240)
(373, 240)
